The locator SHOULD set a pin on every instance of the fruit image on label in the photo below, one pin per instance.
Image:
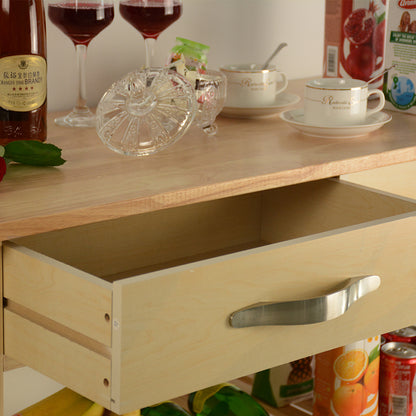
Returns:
(301, 371)
(371, 377)
(349, 400)
(349, 367)
(346, 380)
(359, 26)
(354, 45)
(363, 49)
(22, 82)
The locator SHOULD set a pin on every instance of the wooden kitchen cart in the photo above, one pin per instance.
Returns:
(120, 274)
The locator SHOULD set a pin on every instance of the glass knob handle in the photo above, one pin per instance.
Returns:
(307, 311)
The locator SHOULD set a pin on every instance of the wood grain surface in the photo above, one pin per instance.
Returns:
(246, 155)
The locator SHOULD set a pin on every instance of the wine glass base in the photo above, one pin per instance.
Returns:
(77, 119)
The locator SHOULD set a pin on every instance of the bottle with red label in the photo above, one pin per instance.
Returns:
(22, 70)
(355, 33)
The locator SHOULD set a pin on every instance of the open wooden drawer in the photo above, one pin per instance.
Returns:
(134, 311)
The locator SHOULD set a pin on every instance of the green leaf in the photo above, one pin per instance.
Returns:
(374, 354)
(1, 151)
(32, 152)
(380, 18)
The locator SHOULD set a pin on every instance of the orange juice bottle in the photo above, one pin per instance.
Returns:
(346, 380)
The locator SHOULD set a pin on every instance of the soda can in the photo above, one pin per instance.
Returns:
(347, 380)
(407, 334)
(397, 395)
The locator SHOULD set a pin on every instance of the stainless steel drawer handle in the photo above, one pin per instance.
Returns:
(308, 311)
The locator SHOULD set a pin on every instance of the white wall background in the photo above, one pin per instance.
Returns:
(238, 31)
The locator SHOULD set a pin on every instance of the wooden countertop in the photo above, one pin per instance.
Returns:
(246, 155)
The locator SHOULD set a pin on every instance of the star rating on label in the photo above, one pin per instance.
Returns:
(21, 88)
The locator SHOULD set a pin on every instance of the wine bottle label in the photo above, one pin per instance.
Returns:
(22, 82)
(202, 396)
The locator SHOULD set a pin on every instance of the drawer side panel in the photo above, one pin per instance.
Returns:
(57, 357)
(60, 292)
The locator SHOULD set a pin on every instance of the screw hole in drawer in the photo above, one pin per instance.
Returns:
(107, 317)
(106, 382)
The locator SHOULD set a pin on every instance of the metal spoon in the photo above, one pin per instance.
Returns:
(281, 46)
(378, 76)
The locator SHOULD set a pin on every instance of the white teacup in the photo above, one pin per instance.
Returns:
(339, 101)
(250, 86)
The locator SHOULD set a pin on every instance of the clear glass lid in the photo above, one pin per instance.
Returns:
(146, 111)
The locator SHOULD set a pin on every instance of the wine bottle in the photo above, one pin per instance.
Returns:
(22, 70)
(164, 409)
(224, 400)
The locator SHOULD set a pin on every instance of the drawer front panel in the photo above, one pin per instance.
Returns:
(61, 359)
(70, 297)
(173, 334)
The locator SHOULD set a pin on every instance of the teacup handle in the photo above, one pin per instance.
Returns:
(285, 82)
(380, 104)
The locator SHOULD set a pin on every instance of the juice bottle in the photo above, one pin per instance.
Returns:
(354, 45)
(346, 380)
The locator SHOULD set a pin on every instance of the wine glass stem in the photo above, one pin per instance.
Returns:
(81, 52)
(149, 43)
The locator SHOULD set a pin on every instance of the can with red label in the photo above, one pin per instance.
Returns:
(397, 395)
(407, 334)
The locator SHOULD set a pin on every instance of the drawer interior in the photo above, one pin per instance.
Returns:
(160, 239)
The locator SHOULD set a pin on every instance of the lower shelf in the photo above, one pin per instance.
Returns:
(59, 402)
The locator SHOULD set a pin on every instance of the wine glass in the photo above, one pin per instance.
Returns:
(150, 18)
(81, 21)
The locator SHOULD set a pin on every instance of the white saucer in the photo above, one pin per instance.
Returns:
(297, 120)
(282, 100)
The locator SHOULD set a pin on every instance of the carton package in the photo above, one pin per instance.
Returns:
(354, 41)
(285, 384)
(399, 82)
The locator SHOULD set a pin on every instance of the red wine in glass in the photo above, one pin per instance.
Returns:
(150, 18)
(81, 22)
